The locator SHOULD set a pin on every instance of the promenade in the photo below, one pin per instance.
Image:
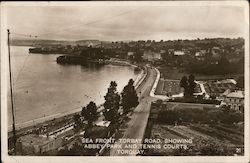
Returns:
(135, 127)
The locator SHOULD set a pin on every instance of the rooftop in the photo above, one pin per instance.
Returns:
(227, 81)
(179, 53)
(35, 139)
(228, 91)
(103, 123)
(236, 94)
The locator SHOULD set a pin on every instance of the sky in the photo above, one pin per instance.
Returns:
(119, 21)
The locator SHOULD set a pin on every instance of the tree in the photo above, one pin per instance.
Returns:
(224, 65)
(240, 82)
(225, 109)
(111, 104)
(224, 61)
(138, 55)
(77, 122)
(192, 85)
(90, 112)
(189, 85)
(129, 97)
(184, 84)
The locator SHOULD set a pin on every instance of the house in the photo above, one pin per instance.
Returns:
(130, 54)
(151, 55)
(162, 51)
(235, 100)
(200, 54)
(179, 53)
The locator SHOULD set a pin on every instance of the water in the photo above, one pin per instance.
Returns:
(44, 88)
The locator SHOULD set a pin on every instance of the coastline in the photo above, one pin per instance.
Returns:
(47, 119)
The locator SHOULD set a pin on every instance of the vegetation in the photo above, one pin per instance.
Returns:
(77, 122)
(111, 104)
(198, 100)
(240, 82)
(183, 116)
(138, 56)
(90, 113)
(189, 85)
(205, 148)
(214, 131)
(215, 67)
(129, 97)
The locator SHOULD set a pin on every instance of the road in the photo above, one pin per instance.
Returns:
(135, 127)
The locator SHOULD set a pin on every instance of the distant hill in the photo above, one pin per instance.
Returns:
(176, 44)
(88, 42)
(33, 42)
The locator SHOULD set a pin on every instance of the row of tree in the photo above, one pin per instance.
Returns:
(207, 116)
(114, 102)
(211, 66)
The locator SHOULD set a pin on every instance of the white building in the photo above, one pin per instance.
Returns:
(179, 53)
(235, 100)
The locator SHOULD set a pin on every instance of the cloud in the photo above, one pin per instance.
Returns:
(125, 22)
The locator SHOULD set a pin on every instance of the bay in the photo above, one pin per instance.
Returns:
(43, 88)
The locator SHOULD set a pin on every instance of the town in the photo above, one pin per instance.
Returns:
(189, 89)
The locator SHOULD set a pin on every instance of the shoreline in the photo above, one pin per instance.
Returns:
(41, 120)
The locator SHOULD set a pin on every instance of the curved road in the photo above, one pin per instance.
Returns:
(135, 127)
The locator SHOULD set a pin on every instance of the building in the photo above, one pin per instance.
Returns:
(179, 53)
(34, 144)
(200, 55)
(130, 54)
(151, 55)
(219, 88)
(162, 51)
(235, 100)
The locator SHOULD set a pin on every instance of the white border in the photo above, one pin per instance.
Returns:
(4, 70)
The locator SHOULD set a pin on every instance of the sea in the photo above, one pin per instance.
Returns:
(43, 89)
